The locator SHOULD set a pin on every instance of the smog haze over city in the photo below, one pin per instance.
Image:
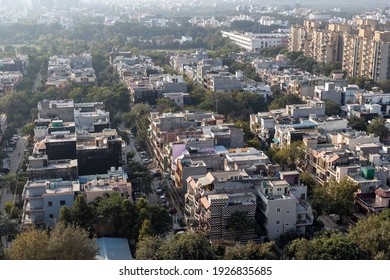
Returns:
(205, 129)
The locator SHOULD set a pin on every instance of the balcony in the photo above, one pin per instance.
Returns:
(189, 208)
(28, 208)
(305, 221)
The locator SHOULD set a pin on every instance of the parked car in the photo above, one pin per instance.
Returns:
(159, 190)
(138, 148)
(147, 160)
(142, 154)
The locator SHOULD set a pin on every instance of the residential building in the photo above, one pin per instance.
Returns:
(180, 98)
(255, 42)
(165, 128)
(40, 168)
(56, 109)
(64, 69)
(43, 200)
(221, 81)
(17, 64)
(362, 49)
(115, 180)
(98, 152)
(179, 61)
(330, 92)
(248, 159)
(169, 83)
(312, 107)
(8, 81)
(282, 206)
(212, 199)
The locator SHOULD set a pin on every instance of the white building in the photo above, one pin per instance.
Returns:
(177, 97)
(44, 199)
(255, 42)
(283, 207)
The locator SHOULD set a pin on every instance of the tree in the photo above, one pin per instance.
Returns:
(379, 128)
(28, 130)
(66, 216)
(62, 243)
(81, 214)
(166, 105)
(372, 235)
(29, 245)
(139, 176)
(335, 197)
(130, 219)
(307, 179)
(160, 220)
(146, 229)
(7, 227)
(384, 85)
(109, 208)
(281, 101)
(290, 156)
(9, 181)
(148, 248)
(357, 123)
(238, 223)
(187, 246)
(11, 209)
(329, 245)
(252, 251)
(331, 108)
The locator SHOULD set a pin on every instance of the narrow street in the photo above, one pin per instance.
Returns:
(16, 157)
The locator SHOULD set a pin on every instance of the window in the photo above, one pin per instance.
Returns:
(62, 202)
(277, 222)
(51, 216)
(279, 189)
(288, 211)
(50, 203)
(277, 209)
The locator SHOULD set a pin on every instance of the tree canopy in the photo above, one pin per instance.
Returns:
(289, 156)
(357, 123)
(326, 246)
(372, 234)
(379, 128)
(252, 251)
(281, 101)
(62, 243)
(335, 197)
(331, 108)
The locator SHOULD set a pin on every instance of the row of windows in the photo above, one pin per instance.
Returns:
(278, 210)
(278, 223)
(50, 203)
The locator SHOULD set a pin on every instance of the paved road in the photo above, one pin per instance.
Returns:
(16, 156)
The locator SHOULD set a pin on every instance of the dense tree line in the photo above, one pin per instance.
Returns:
(114, 215)
(62, 243)
(368, 239)
(310, 65)
(195, 246)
